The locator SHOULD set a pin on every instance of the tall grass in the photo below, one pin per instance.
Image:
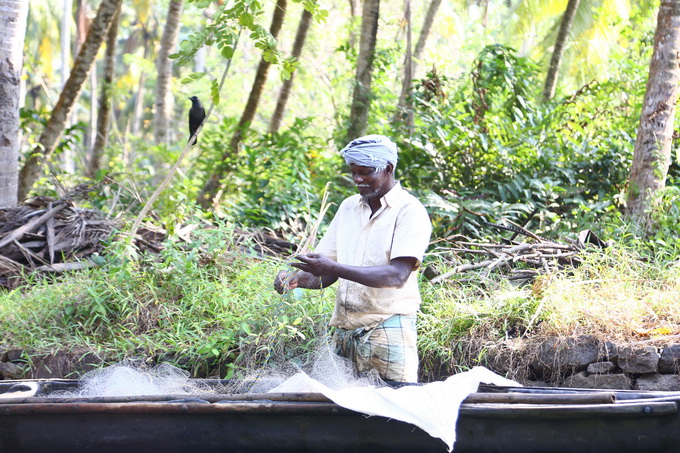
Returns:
(209, 307)
(617, 294)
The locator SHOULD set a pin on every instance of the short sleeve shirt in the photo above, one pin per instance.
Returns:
(399, 228)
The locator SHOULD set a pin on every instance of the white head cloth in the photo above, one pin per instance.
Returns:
(371, 151)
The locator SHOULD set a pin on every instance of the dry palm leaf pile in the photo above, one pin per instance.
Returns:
(45, 235)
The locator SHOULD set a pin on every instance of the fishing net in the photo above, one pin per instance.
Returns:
(133, 379)
(130, 379)
(323, 365)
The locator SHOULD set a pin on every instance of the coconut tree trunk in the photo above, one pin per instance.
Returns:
(354, 6)
(361, 98)
(137, 117)
(558, 51)
(211, 187)
(652, 154)
(164, 100)
(13, 15)
(425, 31)
(284, 94)
(102, 130)
(260, 79)
(55, 125)
(405, 111)
(67, 17)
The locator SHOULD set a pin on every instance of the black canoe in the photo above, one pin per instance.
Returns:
(526, 420)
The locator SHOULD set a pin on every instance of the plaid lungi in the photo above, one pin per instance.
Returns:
(390, 348)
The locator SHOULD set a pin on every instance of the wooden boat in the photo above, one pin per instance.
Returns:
(494, 419)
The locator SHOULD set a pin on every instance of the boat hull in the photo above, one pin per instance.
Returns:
(303, 423)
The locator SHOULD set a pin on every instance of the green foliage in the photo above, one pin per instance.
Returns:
(502, 82)
(483, 147)
(491, 147)
(227, 23)
(32, 123)
(664, 221)
(275, 180)
(475, 320)
(459, 322)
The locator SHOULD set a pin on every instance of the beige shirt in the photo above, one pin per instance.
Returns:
(400, 228)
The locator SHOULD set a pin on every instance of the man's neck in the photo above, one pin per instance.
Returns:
(374, 202)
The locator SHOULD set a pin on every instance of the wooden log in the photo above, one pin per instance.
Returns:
(474, 398)
(30, 256)
(565, 411)
(65, 267)
(529, 398)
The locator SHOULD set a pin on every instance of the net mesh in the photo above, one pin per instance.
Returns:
(133, 379)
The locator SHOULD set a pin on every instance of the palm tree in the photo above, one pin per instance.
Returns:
(298, 44)
(47, 141)
(13, 19)
(556, 59)
(593, 38)
(164, 101)
(652, 155)
(104, 113)
(411, 60)
(361, 97)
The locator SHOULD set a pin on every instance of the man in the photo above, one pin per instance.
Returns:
(373, 246)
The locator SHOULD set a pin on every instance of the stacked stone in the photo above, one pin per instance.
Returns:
(586, 362)
(20, 364)
(11, 365)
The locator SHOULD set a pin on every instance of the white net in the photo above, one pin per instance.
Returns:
(324, 366)
(129, 379)
(132, 379)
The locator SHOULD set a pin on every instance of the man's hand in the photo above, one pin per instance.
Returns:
(315, 264)
(286, 281)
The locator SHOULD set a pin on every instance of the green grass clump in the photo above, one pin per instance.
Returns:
(461, 322)
(617, 294)
(209, 306)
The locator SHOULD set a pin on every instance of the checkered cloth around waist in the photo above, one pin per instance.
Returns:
(389, 348)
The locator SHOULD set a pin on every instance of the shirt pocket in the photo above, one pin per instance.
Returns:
(379, 244)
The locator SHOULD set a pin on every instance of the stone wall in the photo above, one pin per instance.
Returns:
(587, 362)
(18, 364)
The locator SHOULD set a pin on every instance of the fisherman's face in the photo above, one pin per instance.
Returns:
(371, 183)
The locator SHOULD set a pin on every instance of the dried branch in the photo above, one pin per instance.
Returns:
(520, 261)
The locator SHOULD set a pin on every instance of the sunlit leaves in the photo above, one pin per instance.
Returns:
(194, 76)
(226, 27)
(598, 31)
(247, 20)
(215, 92)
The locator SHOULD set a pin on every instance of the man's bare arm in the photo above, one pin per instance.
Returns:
(393, 275)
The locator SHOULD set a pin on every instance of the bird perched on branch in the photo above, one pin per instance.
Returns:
(196, 117)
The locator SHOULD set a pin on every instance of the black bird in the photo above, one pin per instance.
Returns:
(196, 117)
